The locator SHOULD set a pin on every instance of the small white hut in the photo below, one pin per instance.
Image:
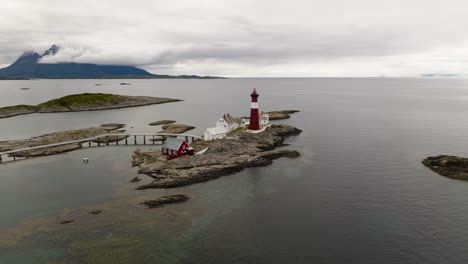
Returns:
(213, 133)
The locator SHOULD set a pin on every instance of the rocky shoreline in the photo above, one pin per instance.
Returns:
(283, 114)
(77, 134)
(452, 167)
(161, 122)
(84, 102)
(58, 137)
(224, 157)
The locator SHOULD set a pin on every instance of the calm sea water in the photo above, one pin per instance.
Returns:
(358, 194)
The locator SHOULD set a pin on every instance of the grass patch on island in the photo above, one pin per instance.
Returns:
(85, 99)
(74, 100)
(18, 107)
(236, 131)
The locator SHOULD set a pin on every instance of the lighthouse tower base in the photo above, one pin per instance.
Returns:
(260, 130)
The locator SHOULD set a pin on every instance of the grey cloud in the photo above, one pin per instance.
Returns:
(293, 38)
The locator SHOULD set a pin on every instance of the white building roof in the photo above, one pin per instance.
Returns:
(230, 119)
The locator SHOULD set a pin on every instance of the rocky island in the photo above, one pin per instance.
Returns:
(175, 128)
(167, 199)
(225, 156)
(283, 114)
(161, 122)
(449, 166)
(83, 102)
(58, 137)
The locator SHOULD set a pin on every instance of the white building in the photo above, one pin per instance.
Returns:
(264, 120)
(223, 126)
(228, 123)
(213, 133)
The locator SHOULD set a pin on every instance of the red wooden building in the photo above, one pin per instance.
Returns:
(174, 148)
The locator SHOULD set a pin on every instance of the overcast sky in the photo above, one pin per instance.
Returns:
(280, 38)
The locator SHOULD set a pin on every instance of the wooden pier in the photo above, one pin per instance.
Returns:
(135, 139)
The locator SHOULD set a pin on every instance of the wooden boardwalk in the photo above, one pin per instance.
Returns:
(126, 139)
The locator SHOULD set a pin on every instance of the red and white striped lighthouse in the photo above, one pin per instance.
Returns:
(254, 115)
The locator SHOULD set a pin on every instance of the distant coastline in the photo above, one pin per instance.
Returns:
(13, 78)
(442, 75)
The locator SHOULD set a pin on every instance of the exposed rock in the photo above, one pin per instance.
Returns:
(47, 151)
(286, 111)
(163, 200)
(161, 122)
(56, 137)
(283, 114)
(141, 155)
(176, 128)
(25, 88)
(112, 126)
(95, 212)
(16, 110)
(125, 84)
(449, 166)
(67, 221)
(135, 179)
(224, 156)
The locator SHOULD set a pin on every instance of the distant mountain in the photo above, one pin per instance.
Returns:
(442, 75)
(28, 66)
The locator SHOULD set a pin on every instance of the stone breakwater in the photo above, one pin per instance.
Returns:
(224, 156)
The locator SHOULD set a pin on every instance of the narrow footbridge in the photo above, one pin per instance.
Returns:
(101, 140)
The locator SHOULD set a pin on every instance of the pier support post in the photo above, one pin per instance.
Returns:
(154, 141)
(144, 139)
(107, 141)
(186, 139)
(98, 144)
(126, 141)
(1, 159)
(135, 140)
(89, 143)
(117, 142)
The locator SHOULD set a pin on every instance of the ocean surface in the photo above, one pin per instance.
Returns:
(358, 193)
